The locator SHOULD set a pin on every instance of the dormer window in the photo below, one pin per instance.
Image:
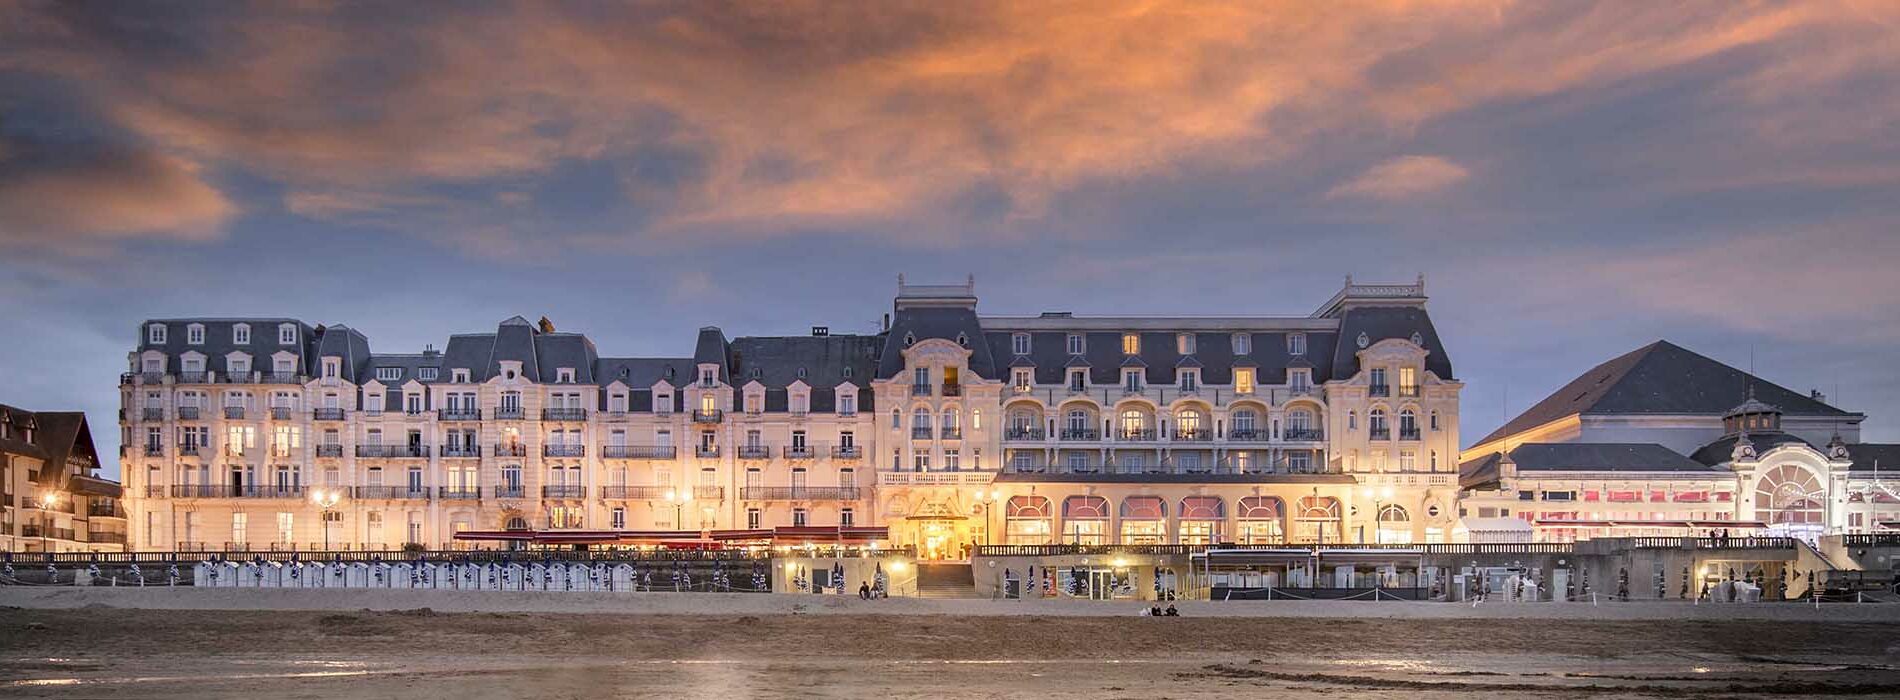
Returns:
(1131, 344)
(1184, 343)
(963, 340)
(1021, 379)
(1131, 380)
(1299, 379)
(331, 367)
(1075, 344)
(389, 374)
(287, 334)
(910, 339)
(1019, 343)
(847, 373)
(754, 373)
(801, 373)
(1296, 344)
(155, 333)
(708, 377)
(427, 374)
(1190, 380)
(241, 334)
(1078, 380)
(195, 334)
(1243, 344)
(564, 375)
(1243, 380)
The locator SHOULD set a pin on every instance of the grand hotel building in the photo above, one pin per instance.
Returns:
(946, 429)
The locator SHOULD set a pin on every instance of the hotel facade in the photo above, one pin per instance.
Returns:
(945, 430)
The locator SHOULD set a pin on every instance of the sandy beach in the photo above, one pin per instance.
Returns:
(66, 643)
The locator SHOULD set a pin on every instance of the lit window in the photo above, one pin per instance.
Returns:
(1243, 380)
(1184, 343)
(1131, 344)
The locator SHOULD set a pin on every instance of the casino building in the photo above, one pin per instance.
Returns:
(1664, 441)
(945, 430)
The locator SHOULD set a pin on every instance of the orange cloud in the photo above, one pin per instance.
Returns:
(80, 205)
(1403, 177)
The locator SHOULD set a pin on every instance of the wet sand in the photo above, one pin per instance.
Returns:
(106, 652)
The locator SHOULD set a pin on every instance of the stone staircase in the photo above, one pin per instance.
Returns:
(945, 581)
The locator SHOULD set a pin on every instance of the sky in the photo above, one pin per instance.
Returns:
(1574, 180)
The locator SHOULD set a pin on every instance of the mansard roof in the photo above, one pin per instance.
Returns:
(218, 341)
(1661, 378)
(1379, 323)
(824, 360)
(1868, 456)
(351, 347)
(920, 323)
(644, 372)
(1720, 451)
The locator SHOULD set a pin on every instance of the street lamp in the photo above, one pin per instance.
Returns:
(986, 500)
(1378, 497)
(326, 500)
(679, 498)
(47, 501)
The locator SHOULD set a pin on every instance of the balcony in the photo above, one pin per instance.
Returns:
(281, 378)
(507, 491)
(105, 537)
(393, 451)
(514, 449)
(234, 413)
(459, 493)
(96, 509)
(799, 493)
(1380, 434)
(1192, 435)
(192, 450)
(280, 413)
(1408, 434)
(1300, 390)
(950, 433)
(1303, 435)
(458, 414)
(455, 450)
(704, 415)
(563, 414)
(508, 413)
(187, 413)
(622, 493)
(329, 414)
(1379, 390)
(152, 414)
(920, 433)
(1408, 391)
(564, 491)
(1139, 435)
(952, 390)
(755, 452)
(154, 450)
(194, 378)
(392, 493)
(706, 451)
(1020, 434)
(799, 452)
(1080, 435)
(273, 491)
(846, 452)
(920, 390)
(1246, 435)
(563, 450)
(329, 450)
(154, 491)
(639, 451)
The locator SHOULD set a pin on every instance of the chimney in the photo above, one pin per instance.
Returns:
(429, 350)
(1817, 395)
(887, 323)
(820, 331)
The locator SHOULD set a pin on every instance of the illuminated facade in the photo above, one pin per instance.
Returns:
(51, 496)
(1664, 441)
(945, 430)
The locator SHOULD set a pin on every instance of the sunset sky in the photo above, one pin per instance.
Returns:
(1574, 180)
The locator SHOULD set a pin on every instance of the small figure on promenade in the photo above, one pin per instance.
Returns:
(864, 591)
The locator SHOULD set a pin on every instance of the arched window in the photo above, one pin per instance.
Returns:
(1790, 495)
(1261, 520)
(1375, 422)
(1246, 422)
(1144, 520)
(1201, 518)
(1395, 525)
(920, 419)
(1434, 421)
(1135, 425)
(1078, 420)
(976, 419)
(1085, 520)
(1188, 424)
(1026, 520)
(1317, 519)
(952, 420)
(1408, 423)
(1352, 420)
(896, 421)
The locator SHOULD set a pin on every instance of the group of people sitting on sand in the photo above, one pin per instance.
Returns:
(1157, 611)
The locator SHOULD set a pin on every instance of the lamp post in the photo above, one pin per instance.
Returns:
(1378, 497)
(326, 500)
(47, 501)
(679, 498)
(986, 501)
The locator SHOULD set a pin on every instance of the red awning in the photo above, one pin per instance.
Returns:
(682, 538)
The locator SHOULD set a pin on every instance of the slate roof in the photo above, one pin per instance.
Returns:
(1160, 355)
(1660, 378)
(1581, 457)
(1866, 454)
(56, 436)
(823, 358)
(1718, 452)
(1383, 323)
(949, 323)
(218, 343)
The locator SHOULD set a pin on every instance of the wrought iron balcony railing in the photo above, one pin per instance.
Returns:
(392, 493)
(799, 493)
(511, 449)
(708, 415)
(846, 452)
(563, 450)
(564, 491)
(393, 451)
(327, 414)
(639, 451)
(458, 414)
(755, 452)
(563, 414)
(1023, 434)
(461, 450)
(459, 493)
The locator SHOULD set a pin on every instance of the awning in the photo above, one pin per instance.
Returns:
(1494, 525)
(1254, 557)
(1649, 524)
(778, 535)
